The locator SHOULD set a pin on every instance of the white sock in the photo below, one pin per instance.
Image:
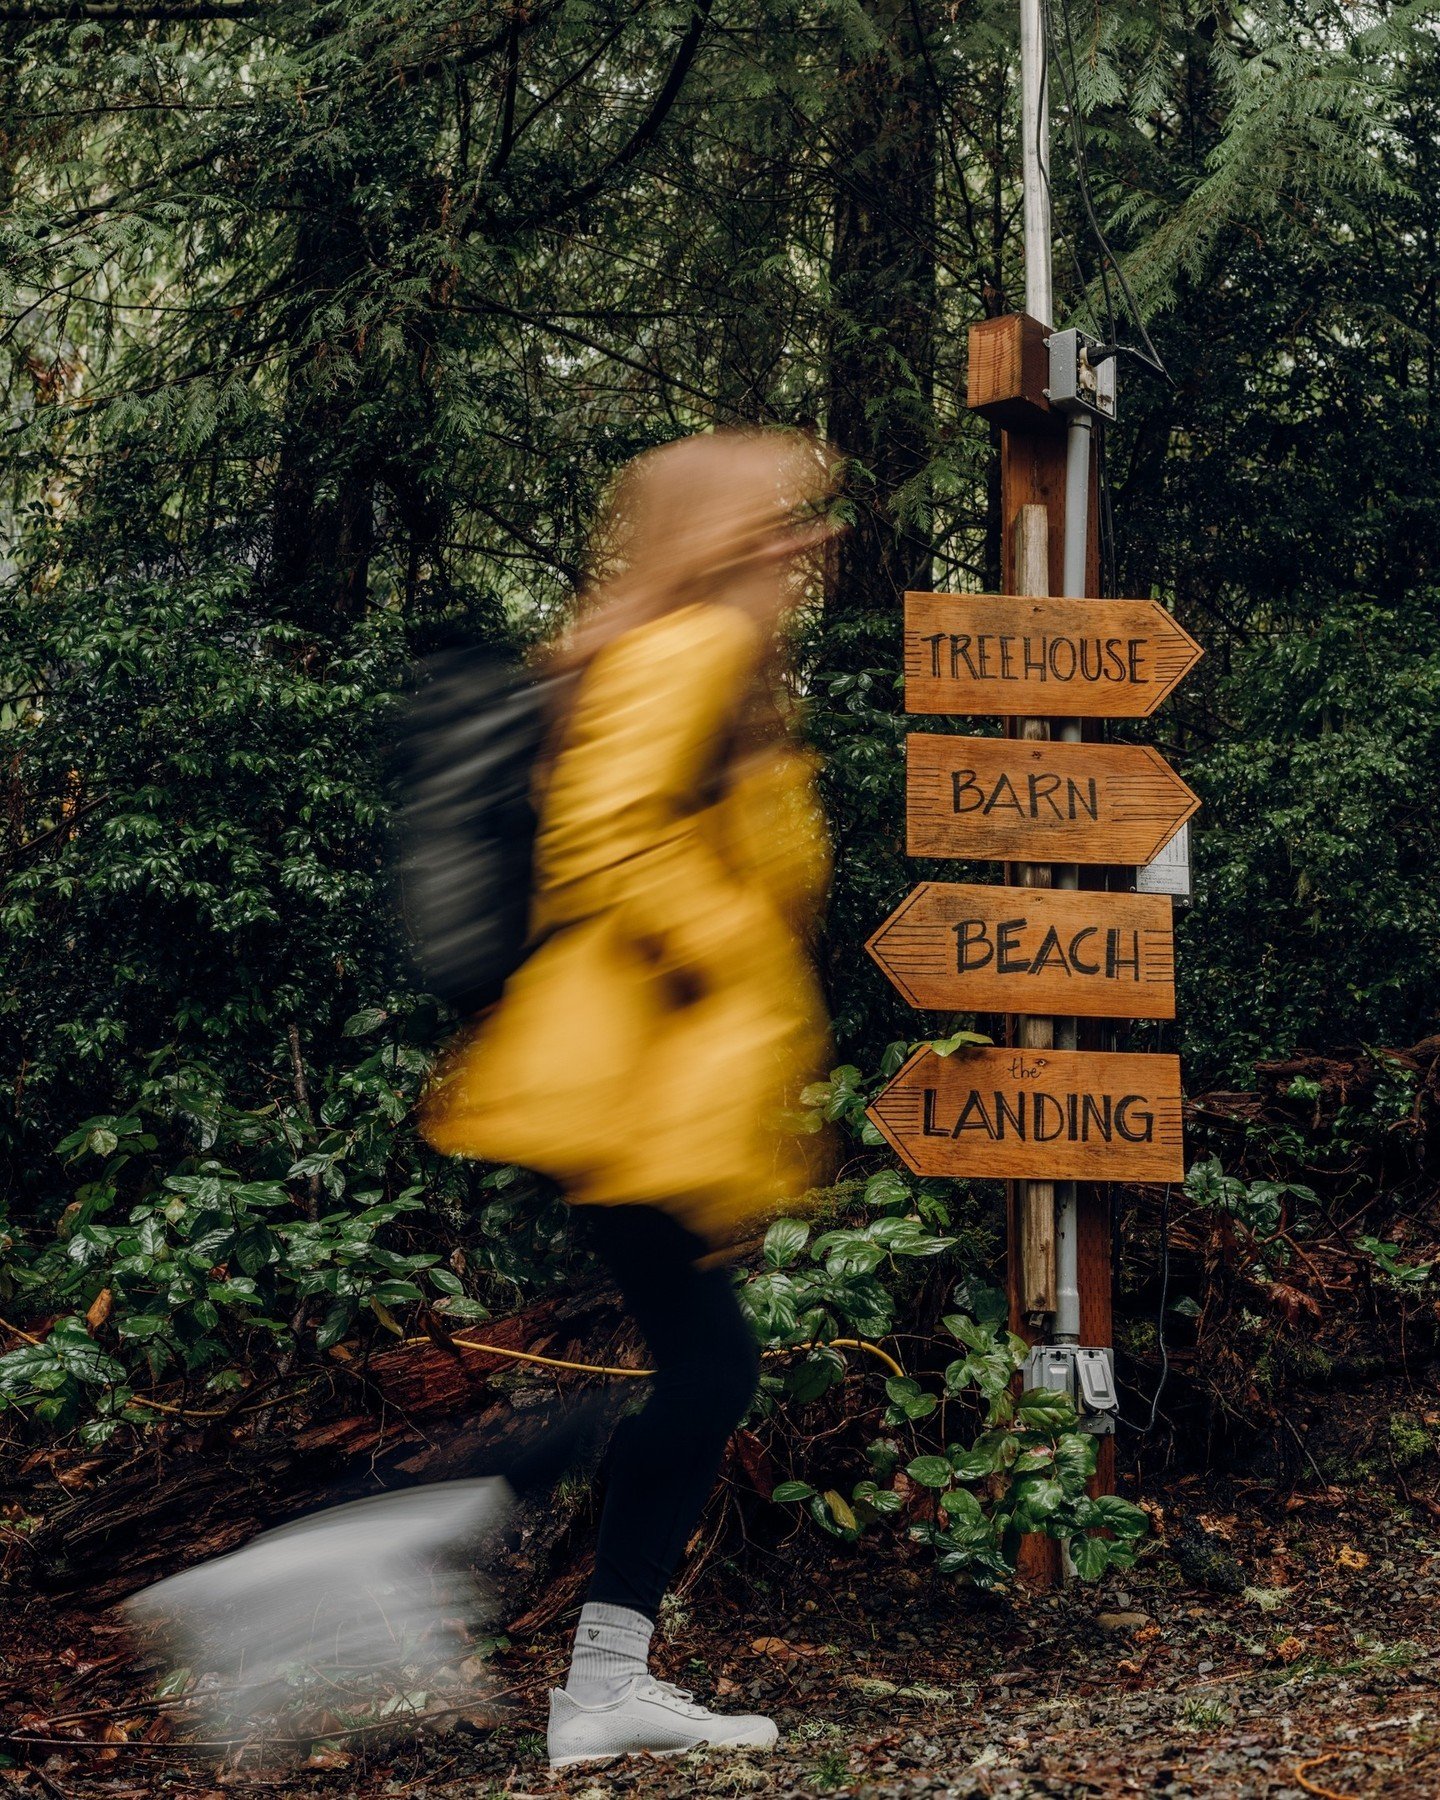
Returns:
(612, 1647)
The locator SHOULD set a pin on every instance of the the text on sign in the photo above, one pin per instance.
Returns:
(955, 945)
(1046, 1115)
(999, 653)
(1010, 799)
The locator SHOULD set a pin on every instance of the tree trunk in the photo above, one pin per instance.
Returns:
(880, 378)
(882, 345)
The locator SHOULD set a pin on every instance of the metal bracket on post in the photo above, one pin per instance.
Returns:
(1086, 1376)
(1169, 872)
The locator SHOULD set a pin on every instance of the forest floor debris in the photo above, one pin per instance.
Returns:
(1320, 1677)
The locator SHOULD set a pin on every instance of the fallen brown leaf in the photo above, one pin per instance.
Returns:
(1293, 1302)
(782, 1648)
(113, 1733)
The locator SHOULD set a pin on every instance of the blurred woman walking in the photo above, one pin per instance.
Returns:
(643, 1054)
(646, 1052)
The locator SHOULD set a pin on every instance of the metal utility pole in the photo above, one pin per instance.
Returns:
(1035, 161)
(1053, 1291)
(1048, 1220)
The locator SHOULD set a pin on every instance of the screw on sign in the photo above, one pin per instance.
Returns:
(1011, 654)
(1010, 799)
(1049, 1115)
(957, 947)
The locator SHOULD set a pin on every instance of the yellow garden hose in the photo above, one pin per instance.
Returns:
(555, 1362)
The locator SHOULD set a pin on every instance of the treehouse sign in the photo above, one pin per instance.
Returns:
(955, 946)
(996, 653)
(1007, 799)
(1049, 1115)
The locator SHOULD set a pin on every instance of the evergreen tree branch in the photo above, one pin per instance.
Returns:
(119, 12)
(639, 140)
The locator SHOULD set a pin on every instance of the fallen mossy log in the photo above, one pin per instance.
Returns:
(359, 1423)
(1316, 1091)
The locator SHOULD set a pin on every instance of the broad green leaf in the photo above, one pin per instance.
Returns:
(1042, 1409)
(886, 1188)
(1091, 1557)
(792, 1490)
(958, 1040)
(840, 1510)
(1126, 1521)
(962, 1507)
(784, 1241)
(973, 1465)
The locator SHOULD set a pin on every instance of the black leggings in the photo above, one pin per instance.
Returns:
(663, 1459)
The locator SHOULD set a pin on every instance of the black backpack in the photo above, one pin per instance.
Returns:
(464, 759)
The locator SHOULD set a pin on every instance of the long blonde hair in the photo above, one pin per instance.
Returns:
(696, 520)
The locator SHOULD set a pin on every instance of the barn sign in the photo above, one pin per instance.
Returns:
(1009, 799)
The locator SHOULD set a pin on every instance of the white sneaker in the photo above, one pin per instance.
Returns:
(650, 1715)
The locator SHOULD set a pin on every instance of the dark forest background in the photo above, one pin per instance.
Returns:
(326, 325)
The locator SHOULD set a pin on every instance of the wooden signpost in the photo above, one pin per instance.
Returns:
(1057, 1122)
(955, 947)
(1013, 799)
(1059, 1114)
(992, 653)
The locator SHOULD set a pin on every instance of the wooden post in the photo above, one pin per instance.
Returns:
(1008, 373)
(1032, 1283)
(1042, 1113)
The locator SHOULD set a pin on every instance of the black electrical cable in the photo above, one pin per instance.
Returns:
(1069, 83)
(1160, 1316)
(1074, 125)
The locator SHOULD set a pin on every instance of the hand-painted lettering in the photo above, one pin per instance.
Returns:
(1011, 656)
(1034, 1116)
(1144, 1127)
(1039, 801)
(978, 945)
(1008, 958)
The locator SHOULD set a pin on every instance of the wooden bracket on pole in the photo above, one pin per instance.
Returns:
(1009, 371)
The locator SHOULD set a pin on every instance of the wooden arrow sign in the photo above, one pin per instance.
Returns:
(1002, 653)
(1008, 799)
(953, 946)
(1044, 1115)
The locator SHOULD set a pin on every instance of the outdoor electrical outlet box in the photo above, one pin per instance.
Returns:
(1087, 1376)
(1050, 1366)
(1097, 1400)
(1077, 384)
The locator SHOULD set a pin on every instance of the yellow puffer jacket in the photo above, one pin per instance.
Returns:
(649, 1048)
